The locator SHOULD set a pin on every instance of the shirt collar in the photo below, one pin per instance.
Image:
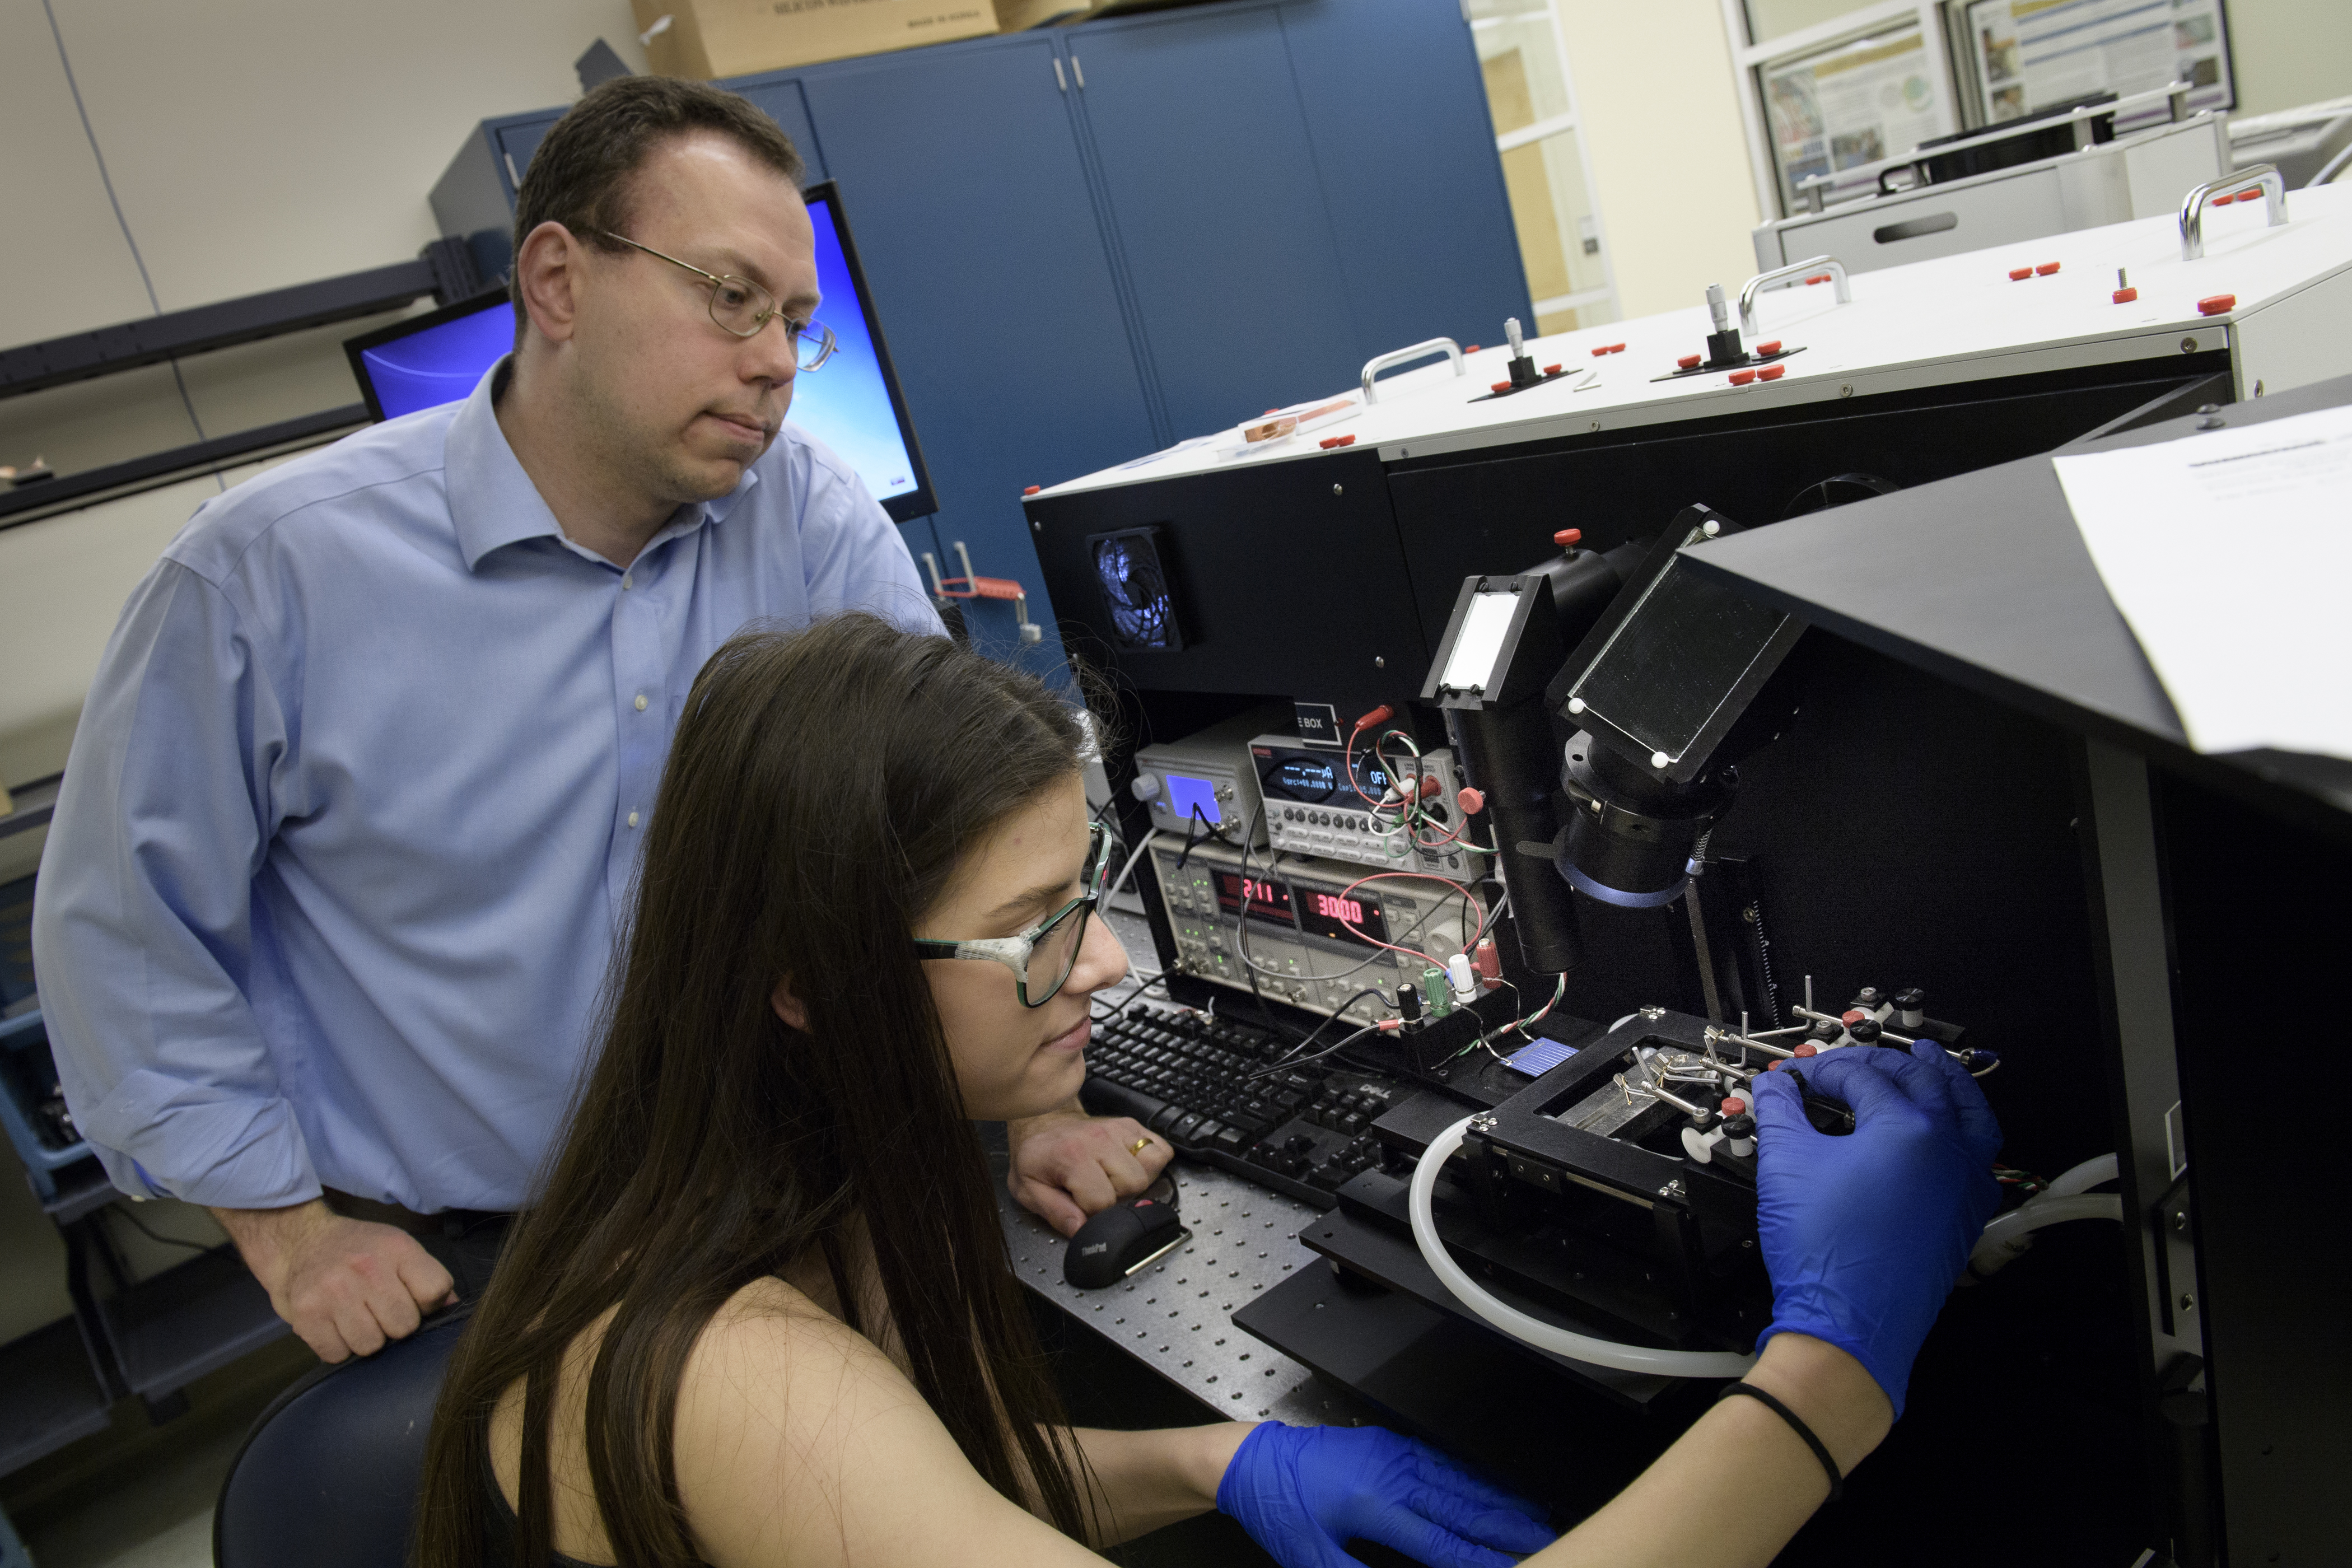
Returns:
(493, 502)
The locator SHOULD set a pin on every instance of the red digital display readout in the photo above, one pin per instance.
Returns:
(1333, 908)
(1331, 914)
(1268, 901)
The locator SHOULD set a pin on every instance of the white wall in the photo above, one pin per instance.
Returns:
(1659, 111)
(2290, 52)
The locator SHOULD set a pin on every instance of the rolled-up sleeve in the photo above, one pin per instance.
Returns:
(144, 919)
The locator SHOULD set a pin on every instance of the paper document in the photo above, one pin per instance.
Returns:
(2230, 553)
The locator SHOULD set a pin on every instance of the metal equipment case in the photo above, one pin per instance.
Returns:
(1912, 826)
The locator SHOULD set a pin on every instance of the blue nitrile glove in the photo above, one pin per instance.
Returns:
(1302, 1492)
(1865, 1233)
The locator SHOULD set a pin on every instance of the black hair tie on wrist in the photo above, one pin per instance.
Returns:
(1829, 1466)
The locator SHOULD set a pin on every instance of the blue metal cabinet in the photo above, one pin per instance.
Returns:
(1217, 210)
(780, 99)
(961, 172)
(1405, 153)
(474, 197)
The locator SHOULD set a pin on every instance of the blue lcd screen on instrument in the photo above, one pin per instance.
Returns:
(1187, 795)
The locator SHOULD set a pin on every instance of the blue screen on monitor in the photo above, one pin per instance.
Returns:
(846, 403)
(441, 363)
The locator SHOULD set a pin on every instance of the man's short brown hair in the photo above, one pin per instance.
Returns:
(582, 174)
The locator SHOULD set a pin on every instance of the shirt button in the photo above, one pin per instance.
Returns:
(641, 701)
(633, 819)
(628, 580)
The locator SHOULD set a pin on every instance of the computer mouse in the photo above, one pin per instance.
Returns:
(1125, 1236)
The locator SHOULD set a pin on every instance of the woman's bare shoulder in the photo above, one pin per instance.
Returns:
(772, 1356)
(799, 1442)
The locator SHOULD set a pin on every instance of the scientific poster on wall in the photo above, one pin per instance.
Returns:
(2031, 54)
(1860, 101)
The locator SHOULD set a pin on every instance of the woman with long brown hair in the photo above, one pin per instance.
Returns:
(761, 1312)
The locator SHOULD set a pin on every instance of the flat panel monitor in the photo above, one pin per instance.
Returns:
(852, 403)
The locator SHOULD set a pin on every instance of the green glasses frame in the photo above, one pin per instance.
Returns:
(1015, 951)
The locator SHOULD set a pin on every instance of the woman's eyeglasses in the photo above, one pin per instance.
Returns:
(1041, 957)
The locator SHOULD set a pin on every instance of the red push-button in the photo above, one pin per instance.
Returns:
(1742, 377)
(2216, 304)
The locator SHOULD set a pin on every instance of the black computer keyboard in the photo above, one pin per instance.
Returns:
(1202, 1084)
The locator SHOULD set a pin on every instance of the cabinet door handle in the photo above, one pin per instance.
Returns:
(1060, 81)
(1079, 71)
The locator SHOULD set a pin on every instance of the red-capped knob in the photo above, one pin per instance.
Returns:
(1807, 1049)
(2223, 201)
(2216, 304)
(1734, 1106)
(1688, 362)
(2046, 268)
(1502, 386)
(1347, 440)
(2020, 274)
(1567, 538)
(1471, 349)
(2126, 296)
(1031, 490)
(1771, 347)
(1742, 377)
(1272, 411)
(1552, 369)
(1616, 347)
(1820, 277)
(1600, 351)
(1852, 1015)
(1470, 800)
(1330, 442)
(1772, 373)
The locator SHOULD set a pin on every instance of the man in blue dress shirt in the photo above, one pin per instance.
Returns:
(347, 833)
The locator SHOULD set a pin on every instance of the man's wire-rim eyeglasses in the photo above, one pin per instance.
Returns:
(741, 306)
(1041, 957)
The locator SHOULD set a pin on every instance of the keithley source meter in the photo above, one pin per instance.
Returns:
(1203, 784)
